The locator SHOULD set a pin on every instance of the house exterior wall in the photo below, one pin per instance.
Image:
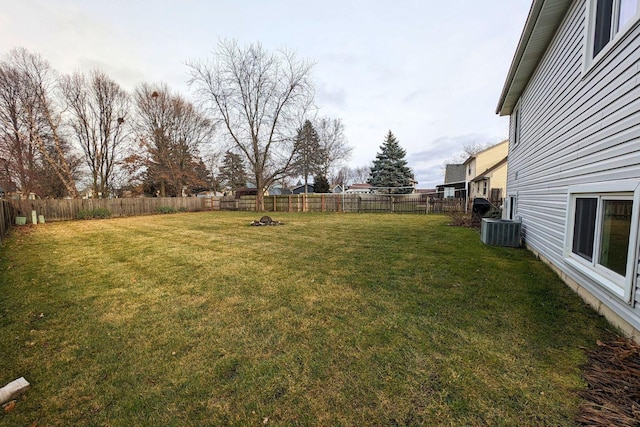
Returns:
(483, 161)
(578, 126)
(497, 178)
(489, 157)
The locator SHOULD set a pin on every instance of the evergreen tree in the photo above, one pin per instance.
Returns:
(390, 168)
(320, 184)
(307, 153)
(232, 172)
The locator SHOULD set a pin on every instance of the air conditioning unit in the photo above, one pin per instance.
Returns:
(500, 232)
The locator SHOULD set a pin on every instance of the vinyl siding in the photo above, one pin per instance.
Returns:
(577, 126)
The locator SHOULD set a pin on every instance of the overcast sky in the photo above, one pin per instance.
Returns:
(429, 71)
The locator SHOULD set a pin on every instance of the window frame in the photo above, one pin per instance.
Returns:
(449, 192)
(512, 208)
(617, 33)
(620, 286)
(517, 118)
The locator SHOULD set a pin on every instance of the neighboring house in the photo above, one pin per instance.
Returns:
(359, 189)
(278, 191)
(454, 183)
(205, 194)
(337, 189)
(573, 97)
(299, 189)
(486, 173)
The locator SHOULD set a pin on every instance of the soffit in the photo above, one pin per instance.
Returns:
(545, 16)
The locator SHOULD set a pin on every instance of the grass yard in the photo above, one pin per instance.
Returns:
(332, 319)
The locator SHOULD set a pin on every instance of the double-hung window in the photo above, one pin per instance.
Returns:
(607, 19)
(602, 235)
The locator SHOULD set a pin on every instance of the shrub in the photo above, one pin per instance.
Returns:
(463, 219)
(100, 213)
(84, 214)
(165, 209)
(182, 209)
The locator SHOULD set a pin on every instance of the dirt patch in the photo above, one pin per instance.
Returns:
(613, 392)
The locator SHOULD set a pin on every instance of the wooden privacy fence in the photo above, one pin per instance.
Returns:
(68, 209)
(6, 218)
(363, 203)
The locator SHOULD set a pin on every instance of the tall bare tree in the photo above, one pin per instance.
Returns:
(259, 97)
(333, 145)
(18, 155)
(42, 115)
(172, 130)
(99, 110)
(346, 176)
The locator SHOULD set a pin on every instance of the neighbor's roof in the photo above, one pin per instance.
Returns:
(454, 174)
(360, 186)
(542, 23)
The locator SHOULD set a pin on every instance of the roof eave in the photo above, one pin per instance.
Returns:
(545, 16)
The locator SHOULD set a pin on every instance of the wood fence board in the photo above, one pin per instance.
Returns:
(68, 209)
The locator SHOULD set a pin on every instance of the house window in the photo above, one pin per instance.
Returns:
(449, 192)
(484, 187)
(516, 126)
(607, 19)
(600, 238)
(512, 207)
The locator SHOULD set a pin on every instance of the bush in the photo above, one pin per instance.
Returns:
(100, 213)
(170, 210)
(463, 219)
(84, 214)
(165, 209)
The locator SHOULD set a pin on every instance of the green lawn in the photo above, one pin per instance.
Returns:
(336, 319)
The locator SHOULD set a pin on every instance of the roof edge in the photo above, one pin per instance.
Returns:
(532, 18)
(540, 29)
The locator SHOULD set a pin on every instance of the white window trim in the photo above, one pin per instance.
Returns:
(622, 287)
(591, 61)
(512, 206)
(517, 125)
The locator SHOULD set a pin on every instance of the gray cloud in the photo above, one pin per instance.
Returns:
(332, 97)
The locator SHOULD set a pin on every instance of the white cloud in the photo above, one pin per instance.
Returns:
(429, 71)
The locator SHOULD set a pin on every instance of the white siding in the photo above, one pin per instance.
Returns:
(576, 127)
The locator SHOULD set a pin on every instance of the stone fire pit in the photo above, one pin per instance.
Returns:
(266, 220)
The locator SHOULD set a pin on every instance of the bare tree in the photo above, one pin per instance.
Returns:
(333, 145)
(18, 156)
(40, 116)
(99, 109)
(259, 97)
(172, 130)
(468, 150)
(346, 176)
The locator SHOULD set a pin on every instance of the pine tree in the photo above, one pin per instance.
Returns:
(390, 169)
(320, 184)
(308, 153)
(232, 172)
